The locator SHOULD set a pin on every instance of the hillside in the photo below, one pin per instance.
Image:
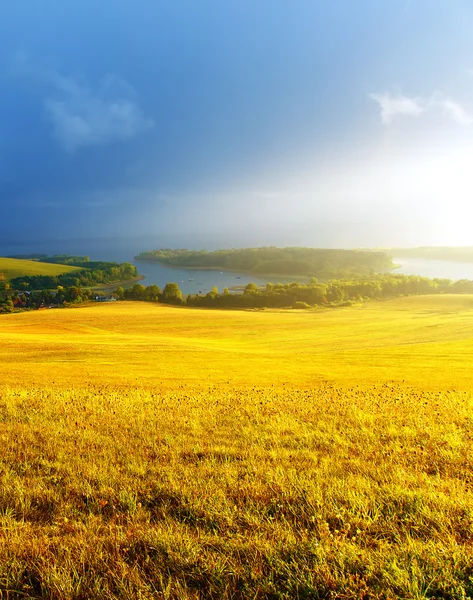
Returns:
(159, 452)
(14, 267)
(424, 341)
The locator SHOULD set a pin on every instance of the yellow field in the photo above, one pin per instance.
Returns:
(158, 452)
(15, 267)
(419, 341)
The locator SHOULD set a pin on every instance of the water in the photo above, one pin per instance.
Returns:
(434, 268)
(193, 281)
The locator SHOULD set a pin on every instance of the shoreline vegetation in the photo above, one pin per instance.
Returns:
(276, 262)
(312, 295)
(110, 287)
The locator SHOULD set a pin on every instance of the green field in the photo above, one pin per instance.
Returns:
(14, 267)
(159, 452)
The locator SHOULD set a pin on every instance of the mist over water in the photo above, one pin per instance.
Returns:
(442, 269)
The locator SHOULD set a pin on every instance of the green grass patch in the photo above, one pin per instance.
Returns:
(14, 267)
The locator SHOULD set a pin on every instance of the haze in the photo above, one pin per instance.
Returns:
(231, 123)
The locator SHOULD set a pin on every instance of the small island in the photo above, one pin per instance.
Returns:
(322, 263)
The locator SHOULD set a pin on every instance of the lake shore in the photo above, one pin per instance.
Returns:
(112, 286)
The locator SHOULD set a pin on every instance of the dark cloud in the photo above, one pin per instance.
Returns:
(83, 116)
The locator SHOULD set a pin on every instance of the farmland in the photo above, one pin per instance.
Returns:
(153, 451)
(420, 341)
(15, 267)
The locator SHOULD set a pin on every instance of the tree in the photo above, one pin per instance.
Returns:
(137, 292)
(172, 294)
(7, 306)
(152, 293)
(5, 289)
(119, 292)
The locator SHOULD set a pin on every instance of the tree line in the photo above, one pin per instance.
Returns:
(288, 295)
(11, 299)
(89, 273)
(335, 292)
(298, 295)
(58, 259)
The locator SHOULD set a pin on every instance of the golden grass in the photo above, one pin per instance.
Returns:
(157, 452)
(419, 341)
(15, 267)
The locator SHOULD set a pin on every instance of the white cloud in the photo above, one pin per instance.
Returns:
(82, 116)
(393, 105)
(452, 109)
(397, 105)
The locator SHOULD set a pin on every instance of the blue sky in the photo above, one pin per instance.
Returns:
(334, 123)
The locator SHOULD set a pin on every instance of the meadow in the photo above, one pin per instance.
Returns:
(164, 452)
(16, 267)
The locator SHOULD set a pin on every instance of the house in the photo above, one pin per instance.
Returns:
(110, 298)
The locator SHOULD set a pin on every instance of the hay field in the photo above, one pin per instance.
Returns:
(16, 267)
(419, 341)
(158, 452)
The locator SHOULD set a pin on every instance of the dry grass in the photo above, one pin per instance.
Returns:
(142, 480)
(425, 341)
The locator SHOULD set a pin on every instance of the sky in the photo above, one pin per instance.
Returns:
(298, 122)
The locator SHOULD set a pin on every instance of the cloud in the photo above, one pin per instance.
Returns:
(82, 116)
(393, 105)
(452, 109)
(397, 105)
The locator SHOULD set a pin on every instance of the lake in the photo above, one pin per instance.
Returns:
(434, 268)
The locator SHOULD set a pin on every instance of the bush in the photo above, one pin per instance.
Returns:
(301, 305)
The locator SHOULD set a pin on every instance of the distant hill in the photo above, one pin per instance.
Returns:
(15, 267)
(452, 253)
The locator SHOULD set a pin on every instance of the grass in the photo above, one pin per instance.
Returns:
(157, 452)
(419, 341)
(15, 267)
